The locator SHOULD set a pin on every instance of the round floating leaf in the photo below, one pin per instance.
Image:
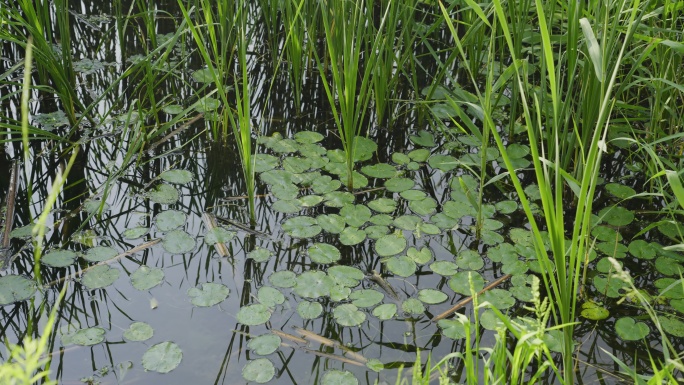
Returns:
(606, 234)
(253, 315)
(375, 365)
(366, 297)
(178, 242)
(218, 235)
(593, 311)
(616, 216)
(381, 220)
(499, 298)
(413, 195)
(308, 137)
(672, 326)
(339, 293)
(162, 357)
(164, 194)
(145, 277)
(170, 220)
(100, 276)
(506, 207)
(15, 288)
(324, 253)
(630, 330)
(469, 260)
(208, 294)
(400, 158)
(59, 258)
(452, 329)
(352, 236)
(280, 179)
(309, 310)
(421, 257)
(363, 148)
(407, 222)
(173, 109)
(668, 266)
(460, 282)
(338, 377)
(431, 296)
(270, 297)
(313, 284)
(283, 279)
(348, 315)
(419, 155)
(347, 276)
(259, 255)
(284, 146)
(444, 221)
(177, 176)
(458, 210)
(92, 206)
(380, 170)
(445, 268)
(402, 266)
(331, 223)
(296, 164)
(609, 287)
(202, 75)
(138, 331)
(325, 184)
(642, 249)
(301, 227)
(310, 200)
(355, 215)
(88, 336)
(620, 191)
(490, 321)
(265, 344)
(424, 138)
(265, 162)
(413, 306)
(423, 207)
(383, 205)
(399, 184)
(100, 253)
(385, 311)
(443, 162)
(22, 232)
(135, 232)
(389, 245)
(376, 232)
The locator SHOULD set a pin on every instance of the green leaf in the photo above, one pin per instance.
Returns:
(15, 288)
(383, 205)
(346, 275)
(375, 365)
(499, 298)
(135, 232)
(309, 310)
(313, 284)
(445, 268)
(99, 254)
(616, 216)
(269, 296)
(366, 297)
(331, 223)
(443, 162)
(593, 311)
(355, 215)
(460, 282)
(389, 245)
(265, 162)
(287, 206)
(145, 277)
(672, 326)
(423, 207)
(422, 256)
(138, 331)
(630, 330)
(208, 294)
(164, 194)
(218, 235)
(407, 222)
(424, 138)
(178, 242)
(444, 221)
(283, 279)
(363, 148)
(452, 329)
(399, 184)
(259, 254)
(402, 266)
(352, 236)
(400, 158)
(385, 311)
(506, 207)
(469, 260)
(308, 137)
(252, 315)
(301, 227)
(338, 377)
(203, 75)
(642, 249)
(620, 191)
(381, 220)
(162, 357)
(264, 344)
(324, 253)
(431, 296)
(413, 195)
(325, 184)
(100, 276)
(348, 315)
(59, 258)
(593, 48)
(177, 176)
(86, 337)
(170, 220)
(419, 155)
(380, 170)
(376, 232)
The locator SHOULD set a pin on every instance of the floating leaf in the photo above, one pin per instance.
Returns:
(413, 195)
(87, 66)
(145, 277)
(208, 294)
(630, 330)
(265, 344)
(260, 371)
(23, 232)
(203, 75)
(389, 245)
(92, 206)
(380, 170)
(421, 257)
(402, 266)
(177, 176)
(407, 222)
(452, 329)
(431, 296)
(385, 311)
(162, 357)
(499, 298)
(325, 184)
(170, 220)
(348, 315)
(178, 242)
(278, 178)
(376, 232)
(309, 310)
(313, 284)
(381, 220)
(138, 331)
(424, 138)
(296, 164)
(173, 109)
(444, 221)
(331, 223)
(265, 162)
(352, 236)
(310, 200)
(506, 207)
(135, 232)
(490, 321)
(375, 365)
(400, 158)
(616, 216)
(672, 326)
(413, 306)
(15, 288)
(668, 266)
(399, 184)
(100, 276)
(423, 207)
(383, 205)
(443, 162)
(642, 249)
(324, 253)
(593, 311)
(283, 279)
(458, 210)
(308, 137)
(51, 120)
(355, 215)
(338, 377)
(419, 155)
(339, 293)
(366, 297)
(301, 227)
(469, 260)
(363, 148)
(164, 194)
(460, 282)
(620, 191)
(218, 235)
(270, 297)
(59, 258)
(100, 253)
(86, 337)
(445, 268)
(347, 276)
(252, 315)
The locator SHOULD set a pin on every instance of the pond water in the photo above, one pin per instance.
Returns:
(417, 241)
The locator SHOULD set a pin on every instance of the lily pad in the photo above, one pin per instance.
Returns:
(363, 148)
(431, 296)
(413, 195)
(259, 254)
(642, 249)
(135, 232)
(86, 337)
(444, 221)
(452, 329)
(100, 276)
(264, 344)
(177, 176)
(348, 315)
(178, 242)
(376, 232)
(375, 365)
(265, 162)
(347, 276)
(400, 158)
(445, 268)
(423, 207)
(283, 279)
(413, 306)
(15, 288)
(422, 256)
(145, 277)
(352, 236)
(620, 191)
(407, 222)
(170, 220)
(385, 311)
(269, 296)
(461, 281)
(469, 260)
(366, 297)
(208, 294)
(308, 137)
(380, 170)
(616, 216)
(402, 266)
(672, 326)
(100, 253)
(424, 138)
(313, 284)
(202, 75)
(138, 331)
(419, 155)
(630, 330)
(506, 207)
(162, 357)
(324, 253)
(355, 215)
(301, 227)
(310, 200)
(443, 162)
(339, 377)
(593, 311)
(59, 258)
(218, 235)
(252, 315)
(381, 220)
(499, 298)
(325, 184)
(383, 205)
(399, 184)
(260, 371)
(309, 310)
(23, 232)
(331, 223)
(389, 245)
(164, 194)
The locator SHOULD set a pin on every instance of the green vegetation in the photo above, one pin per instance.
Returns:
(485, 192)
